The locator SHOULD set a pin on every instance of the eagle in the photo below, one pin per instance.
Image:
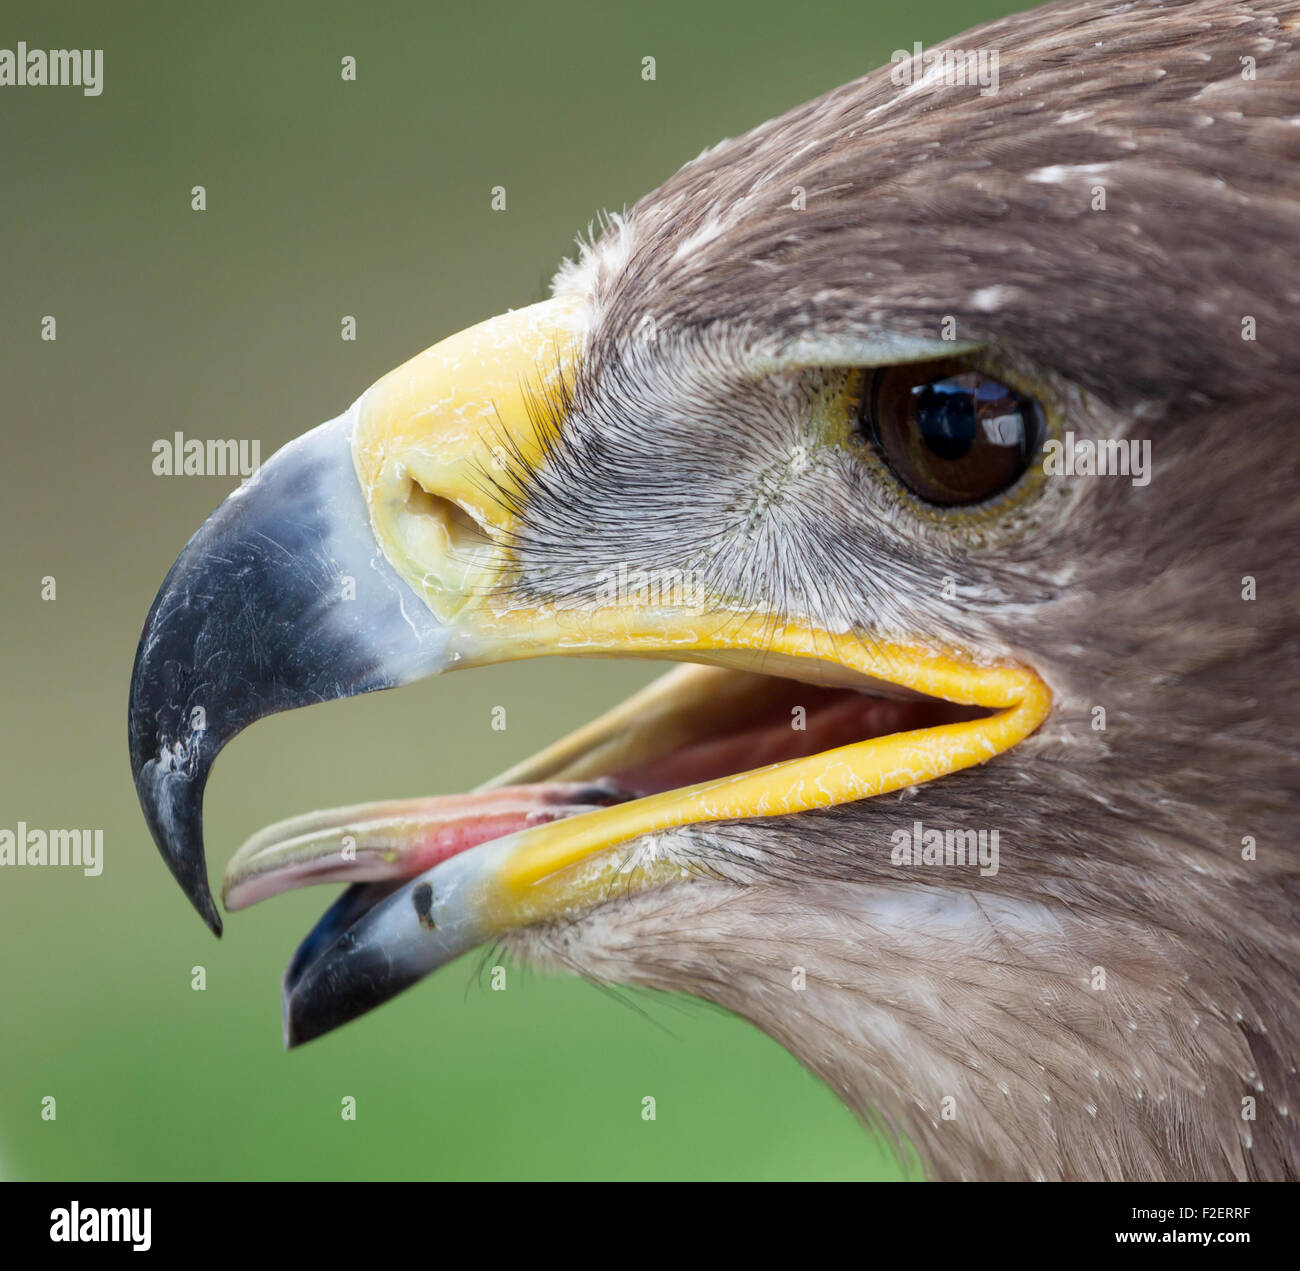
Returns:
(944, 435)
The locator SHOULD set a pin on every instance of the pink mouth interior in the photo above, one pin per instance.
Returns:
(766, 735)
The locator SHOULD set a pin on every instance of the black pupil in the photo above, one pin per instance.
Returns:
(946, 417)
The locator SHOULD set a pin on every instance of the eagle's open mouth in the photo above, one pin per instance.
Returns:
(696, 726)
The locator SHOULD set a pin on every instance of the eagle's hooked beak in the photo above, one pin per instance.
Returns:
(290, 593)
(381, 547)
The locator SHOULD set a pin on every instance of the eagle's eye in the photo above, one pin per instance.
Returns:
(950, 434)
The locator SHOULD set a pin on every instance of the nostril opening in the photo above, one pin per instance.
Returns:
(462, 530)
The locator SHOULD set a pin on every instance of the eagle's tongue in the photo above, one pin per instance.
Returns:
(373, 842)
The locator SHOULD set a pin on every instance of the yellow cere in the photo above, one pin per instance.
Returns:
(433, 436)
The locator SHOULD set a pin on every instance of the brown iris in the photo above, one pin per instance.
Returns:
(952, 435)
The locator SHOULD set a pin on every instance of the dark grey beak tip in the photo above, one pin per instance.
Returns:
(345, 982)
(171, 797)
(207, 909)
(295, 1035)
(195, 886)
(344, 967)
(251, 620)
(203, 902)
(189, 870)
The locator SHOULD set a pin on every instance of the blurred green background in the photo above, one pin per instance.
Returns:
(328, 198)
